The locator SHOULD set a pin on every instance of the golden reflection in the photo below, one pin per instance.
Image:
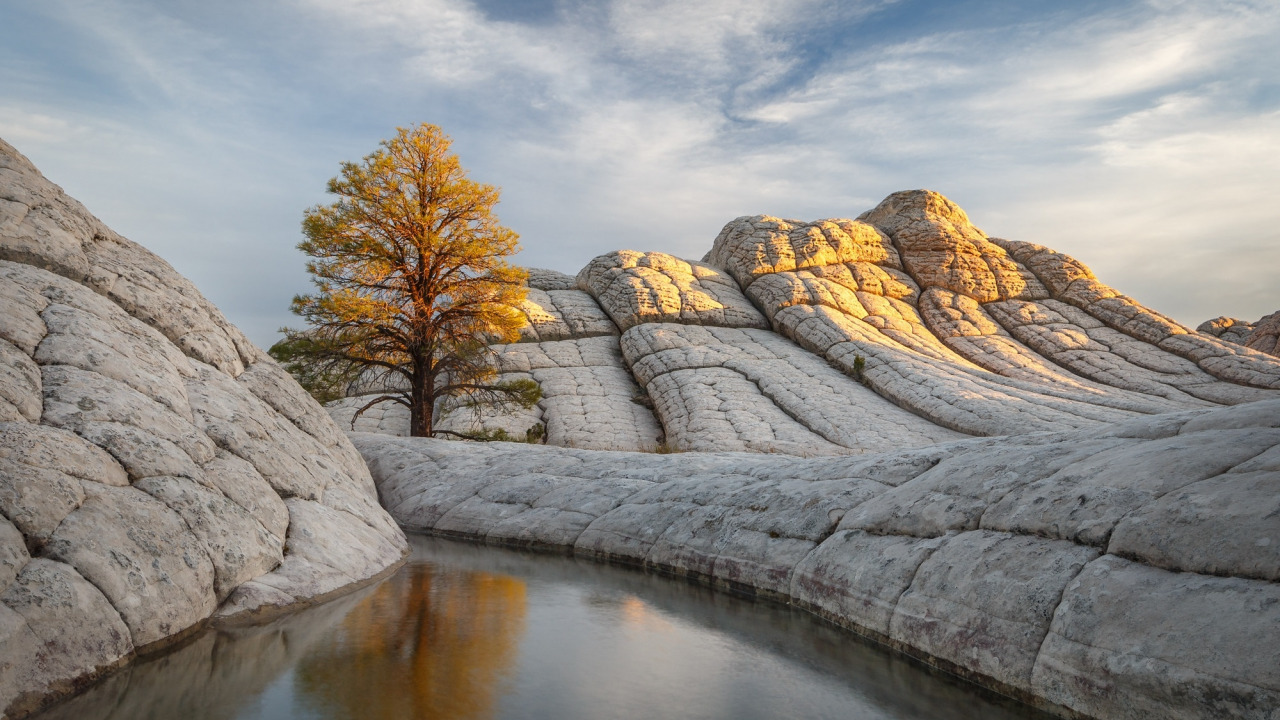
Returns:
(637, 615)
(428, 643)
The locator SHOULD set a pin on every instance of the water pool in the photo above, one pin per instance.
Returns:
(464, 631)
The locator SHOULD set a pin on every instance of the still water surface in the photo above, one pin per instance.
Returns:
(467, 632)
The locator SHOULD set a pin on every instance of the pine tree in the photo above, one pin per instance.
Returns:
(412, 282)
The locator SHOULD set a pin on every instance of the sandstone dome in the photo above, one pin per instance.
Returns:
(904, 327)
(157, 470)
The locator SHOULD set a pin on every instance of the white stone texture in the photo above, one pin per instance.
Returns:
(589, 398)
(544, 279)
(1105, 378)
(1231, 329)
(753, 246)
(239, 546)
(386, 417)
(1070, 281)
(55, 626)
(41, 469)
(140, 481)
(271, 384)
(141, 555)
(1132, 641)
(954, 395)
(42, 227)
(806, 390)
(941, 248)
(918, 548)
(562, 315)
(635, 287)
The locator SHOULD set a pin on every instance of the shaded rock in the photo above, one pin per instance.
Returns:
(41, 469)
(984, 601)
(1083, 501)
(239, 547)
(73, 634)
(1132, 641)
(141, 555)
(856, 579)
(19, 385)
(293, 462)
(1265, 336)
(245, 486)
(1226, 525)
(144, 436)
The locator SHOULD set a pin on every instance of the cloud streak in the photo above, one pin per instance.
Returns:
(1140, 137)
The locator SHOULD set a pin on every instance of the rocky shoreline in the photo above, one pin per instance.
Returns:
(1122, 572)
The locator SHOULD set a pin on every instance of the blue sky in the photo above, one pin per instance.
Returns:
(1143, 138)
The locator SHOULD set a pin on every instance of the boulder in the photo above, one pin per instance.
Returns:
(146, 451)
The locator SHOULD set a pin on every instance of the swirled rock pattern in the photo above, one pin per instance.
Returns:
(1121, 571)
(905, 327)
(156, 469)
(1110, 552)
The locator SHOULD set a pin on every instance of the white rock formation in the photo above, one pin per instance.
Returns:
(156, 469)
(1112, 553)
(907, 327)
(1121, 571)
(1263, 335)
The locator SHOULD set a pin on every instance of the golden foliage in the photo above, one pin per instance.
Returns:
(411, 276)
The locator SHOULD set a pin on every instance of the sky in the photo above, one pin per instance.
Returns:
(1143, 138)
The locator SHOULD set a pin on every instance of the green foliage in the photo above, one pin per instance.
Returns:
(859, 365)
(532, 436)
(302, 357)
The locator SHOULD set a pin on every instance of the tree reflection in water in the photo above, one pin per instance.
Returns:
(469, 632)
(431, 642)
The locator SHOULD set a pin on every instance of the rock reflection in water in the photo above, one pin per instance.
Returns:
(464, 632)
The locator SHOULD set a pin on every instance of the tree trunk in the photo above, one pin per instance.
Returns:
(422, 404)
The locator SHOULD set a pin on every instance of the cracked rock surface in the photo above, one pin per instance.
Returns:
(1109, 549)
(1118, 571)
(156, 469)
(903, 328)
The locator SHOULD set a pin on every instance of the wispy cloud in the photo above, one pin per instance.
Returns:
(1141, 137)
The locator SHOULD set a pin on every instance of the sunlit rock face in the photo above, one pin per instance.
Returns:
(1263, 335)
(1128, 570)
(156, 468)
(905, 327)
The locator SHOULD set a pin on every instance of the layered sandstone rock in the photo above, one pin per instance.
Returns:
(905, 327)
(1110, 554)
(1121, 571)
(1263, 335)
(156, 469)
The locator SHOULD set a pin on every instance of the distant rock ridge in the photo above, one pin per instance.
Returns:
(1263, 335)
(905, 327)
(157, 470)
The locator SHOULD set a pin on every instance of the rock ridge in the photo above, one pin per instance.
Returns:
(157, 470)
(904, 327)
